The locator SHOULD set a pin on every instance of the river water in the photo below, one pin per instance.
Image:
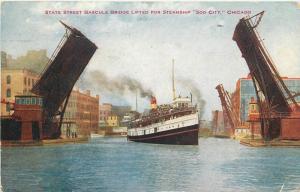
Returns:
(113, 164)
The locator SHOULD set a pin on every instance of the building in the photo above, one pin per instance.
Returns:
(104, 112)
(245, 91)
(120, 111)
(218, 121)
(128, 117)
(26, 122)
(241, 132)
(82, 114)
(113, 121)
(15, 82)
(34, 60)
(4, 58)
(19, 75)
(253, 119)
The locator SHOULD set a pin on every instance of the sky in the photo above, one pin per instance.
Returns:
(142, 46)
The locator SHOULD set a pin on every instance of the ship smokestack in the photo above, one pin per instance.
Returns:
(153, 103)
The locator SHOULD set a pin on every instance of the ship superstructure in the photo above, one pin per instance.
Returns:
(175, 123)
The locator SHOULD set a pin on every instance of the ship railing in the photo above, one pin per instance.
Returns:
(161, 118)
(173, 111)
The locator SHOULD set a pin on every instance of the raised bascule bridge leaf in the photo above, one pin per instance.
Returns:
(68, 61)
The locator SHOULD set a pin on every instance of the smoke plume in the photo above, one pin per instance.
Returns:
(196, 93)
(119, 85)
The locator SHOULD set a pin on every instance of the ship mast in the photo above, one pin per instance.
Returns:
(173, 80)
(136, 101)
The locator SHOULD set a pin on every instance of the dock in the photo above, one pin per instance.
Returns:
(273, 143)
(45, 142)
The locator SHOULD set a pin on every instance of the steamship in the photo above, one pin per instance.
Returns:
(176, 123)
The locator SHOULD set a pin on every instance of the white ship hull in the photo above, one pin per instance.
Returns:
(181, 130)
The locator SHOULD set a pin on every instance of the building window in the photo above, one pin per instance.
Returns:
(8, 93)
(32, 82)
(25, 81)
(7, 108)
(8, 79)
(18, 101)
(40, 102)
(28, 82)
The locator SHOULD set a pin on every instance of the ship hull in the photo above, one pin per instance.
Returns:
(181, 136)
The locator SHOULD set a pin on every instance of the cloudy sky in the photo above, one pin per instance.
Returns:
(142, 46)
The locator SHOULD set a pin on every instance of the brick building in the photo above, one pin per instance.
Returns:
(15, 82)
(82, 114)
(218, 121)
(245, 92)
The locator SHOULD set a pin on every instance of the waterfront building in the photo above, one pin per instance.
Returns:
(15, 82)
(126, 121)
(218, 121)
(245, 90)
(241, 132)
(120, 112)
(104, 112)
(113, 120)
(19, 75)
(128, 117)
(4, 58)
(34, 60)
(82, 114)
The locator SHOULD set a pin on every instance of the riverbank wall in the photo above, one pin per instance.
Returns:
(273, 143)
(44, 142)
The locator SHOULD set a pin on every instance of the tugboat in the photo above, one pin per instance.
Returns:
(176, 123)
